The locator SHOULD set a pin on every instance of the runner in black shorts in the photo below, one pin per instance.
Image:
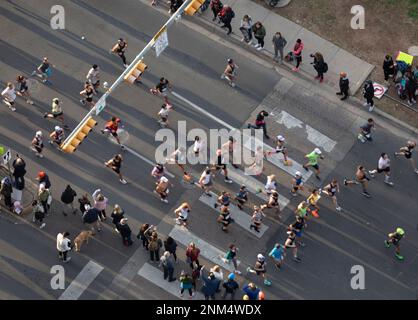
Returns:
(407, 152)
(119, 49)
(221, 165)
(162, 88)
(87, 93)
(331, 190)
(115, 164)
(23, 89)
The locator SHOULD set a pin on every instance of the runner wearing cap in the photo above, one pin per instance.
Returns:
(281, 148)
(57, 136)
(313, 161)
(260, 269)
(395, 238)
(407, 152)
(112, 127)
(37, 144)
(56, 112)
(297, 183)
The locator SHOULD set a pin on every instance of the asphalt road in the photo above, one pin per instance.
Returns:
(193, 63)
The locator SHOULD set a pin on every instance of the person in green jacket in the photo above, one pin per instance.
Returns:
(259, 33)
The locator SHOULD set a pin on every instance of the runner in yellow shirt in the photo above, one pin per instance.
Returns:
(313, 201)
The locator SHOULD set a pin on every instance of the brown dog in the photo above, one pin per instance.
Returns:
(84, 236)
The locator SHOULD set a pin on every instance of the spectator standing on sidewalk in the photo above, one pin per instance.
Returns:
(259, 33)
(231, 286)
(210, 285)
(368, 93)
(84, 202)
(117, 216)
(192, 254)
(319, 65)
(411, 86)
(216, 7)
(19, 172)
(63, 246)
(246, 29)
(67, 197)
(186, 284)
(6, 191)
(38, 213)
(297, 53)
(226, 15)
(100, 203)
(167, 262)
(388, 68)
(344, 86)
(279, 42)
(125, 232)
(154, 245)
(170, 245)
(43, 178)
(43, 195)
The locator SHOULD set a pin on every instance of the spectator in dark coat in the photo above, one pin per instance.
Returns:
(117, 216)
(90, 217)
(411, 87)
(279, 42)
(125, 232)
(84, 202)
(226, 16)
(231, 286)
(6, 191)
(19, 172)
(170, 245)
(216, 6)
(388, 67)
(210, 285)
(67, 197)
(167, 262)
(174, 5)
(319, 64)
(368, 93)
(344, 86)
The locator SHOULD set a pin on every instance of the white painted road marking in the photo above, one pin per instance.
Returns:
(207, 250)
(136, 154)
(241, 217)
(156, 276)
(86, 276)
(277, 159)
(317, 138)
(253, 185)
(272, 159)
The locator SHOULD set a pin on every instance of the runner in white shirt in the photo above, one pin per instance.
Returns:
(9, 96)
(205, 181)
(163, 113)
(271, 184)
(93, 77)
(383, 166)
(257, 167)
(179, 158)
(197, 146)
(182, 214)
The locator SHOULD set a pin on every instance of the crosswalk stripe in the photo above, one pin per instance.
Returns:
(317, 138)
(86, 276)
(156, 276)
(184, 236)
(240, 217)
(276, 159)
(253, 185)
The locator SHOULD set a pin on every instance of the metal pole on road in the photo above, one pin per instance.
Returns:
(101, 103)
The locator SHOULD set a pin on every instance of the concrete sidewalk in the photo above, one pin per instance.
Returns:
(337, 59)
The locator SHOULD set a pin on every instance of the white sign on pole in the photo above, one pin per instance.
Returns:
(100, 107)
(379, 90)
(161, 43)
(7, 156)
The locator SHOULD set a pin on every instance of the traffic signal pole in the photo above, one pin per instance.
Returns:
(101, 103)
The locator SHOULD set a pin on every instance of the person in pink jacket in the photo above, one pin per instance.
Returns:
(297, 53)
(100, 203)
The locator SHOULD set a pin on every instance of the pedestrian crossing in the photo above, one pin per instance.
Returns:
(156, 277)
(240, 217)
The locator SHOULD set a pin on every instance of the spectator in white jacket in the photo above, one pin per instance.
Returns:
(246, 29)
(100, 203)
(217, 272)
(63, 246)
(9, 96)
